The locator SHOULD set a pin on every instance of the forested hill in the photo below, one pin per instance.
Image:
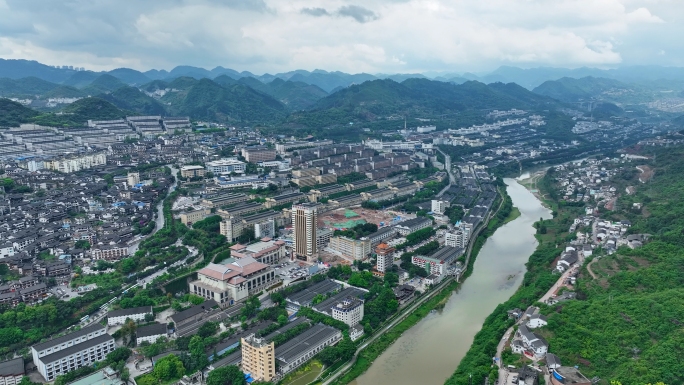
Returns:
(629, 323)
(381, 99)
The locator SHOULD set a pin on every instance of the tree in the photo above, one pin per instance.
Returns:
(282, 319)
(119, 355)
(391, 279)
(227, 375)
(168, 368)
(196, 348)
(82, 244)
(208, 329)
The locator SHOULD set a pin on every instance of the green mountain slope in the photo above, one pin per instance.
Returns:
(587, 88)
(208, 100)
(103, 83)
(64, 92)
(132, 99)
(296, 95)
(379, 99)
(129, 76)
(12, 114)
(30, 86)
(81, 79)
(78, 113)
(629, 323)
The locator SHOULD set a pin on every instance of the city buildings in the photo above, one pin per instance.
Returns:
(356, 249)
(413, 225)
(439, 260)
(226, 166)
(256, 154)
(349, 311)
(258, 358)
(266, 251)
(439, 206)
(74, 163)
(190, 217)
(385, 257)
(150, 333)
(304, 219)
(233, 281)
(302, 348)
(192, 171)
(72, 351)
(119, 317)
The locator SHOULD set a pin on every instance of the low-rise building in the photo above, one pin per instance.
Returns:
(356, 249)
(223, 200)
(226, 166)
(439, 260)
(72, 351)
(192, 171)
(119, 317)
(302, 348)
(193, 314)
(150, 333)
(12, 371)
(266, 251)
(190, 217)
(413, 225)
(349, 311)
(233, 281)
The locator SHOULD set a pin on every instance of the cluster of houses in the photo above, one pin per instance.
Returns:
(76, 218)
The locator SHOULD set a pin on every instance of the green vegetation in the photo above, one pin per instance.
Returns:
(12, 114)
(132, 99)
(358, 231)
(417, 237)
(227, 375)
(78, 113)
(514, 214)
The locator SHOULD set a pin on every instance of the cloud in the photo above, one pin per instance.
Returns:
(380, 36)
(360, 14)
(315, 12)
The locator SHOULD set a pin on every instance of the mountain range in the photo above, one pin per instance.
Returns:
(317, 98)
(329, 81)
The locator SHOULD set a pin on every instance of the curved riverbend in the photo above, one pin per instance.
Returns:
(429, 352)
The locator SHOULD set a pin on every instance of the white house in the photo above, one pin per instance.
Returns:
(118, 317)
(537, 321)
(150, 333)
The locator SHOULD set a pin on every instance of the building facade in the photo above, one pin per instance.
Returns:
(192, 171)
(304, 219)
(226, 166)
(258, 358)
(233, 281)
(357, 249)
(349, 311)
(385, 257)
(12, 371)
(119, 317)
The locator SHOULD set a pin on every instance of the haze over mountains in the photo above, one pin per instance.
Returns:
(322, 98)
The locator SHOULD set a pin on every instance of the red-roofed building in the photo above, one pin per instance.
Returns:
(233, 281)
(266, 251)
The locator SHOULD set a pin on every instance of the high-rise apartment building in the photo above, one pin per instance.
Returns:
(258, 358)
(385, 259)
(304, 218)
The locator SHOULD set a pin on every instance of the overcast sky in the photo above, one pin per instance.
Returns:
(388, 36)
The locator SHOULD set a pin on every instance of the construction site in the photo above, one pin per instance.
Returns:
(342, 218)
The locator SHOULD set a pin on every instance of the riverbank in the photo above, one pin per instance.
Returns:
(437, 343)
(537, 281)
(438, 299)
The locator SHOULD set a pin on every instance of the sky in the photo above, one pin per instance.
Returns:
(373, 36)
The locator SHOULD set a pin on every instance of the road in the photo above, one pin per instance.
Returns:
(159, 222)
(407, 311)
(447, 165)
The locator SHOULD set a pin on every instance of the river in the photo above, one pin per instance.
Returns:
(429, 352)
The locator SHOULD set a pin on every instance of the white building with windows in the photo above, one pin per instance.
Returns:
(226, 166)
(63, 354)
(150, 333)
(349, 311)
(119, 317)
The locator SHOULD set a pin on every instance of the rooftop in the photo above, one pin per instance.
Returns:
(12, 367)
(303, 342)
(131, 311)
(76, 348)
(151, 330)
(193, 311)
(66, 338)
